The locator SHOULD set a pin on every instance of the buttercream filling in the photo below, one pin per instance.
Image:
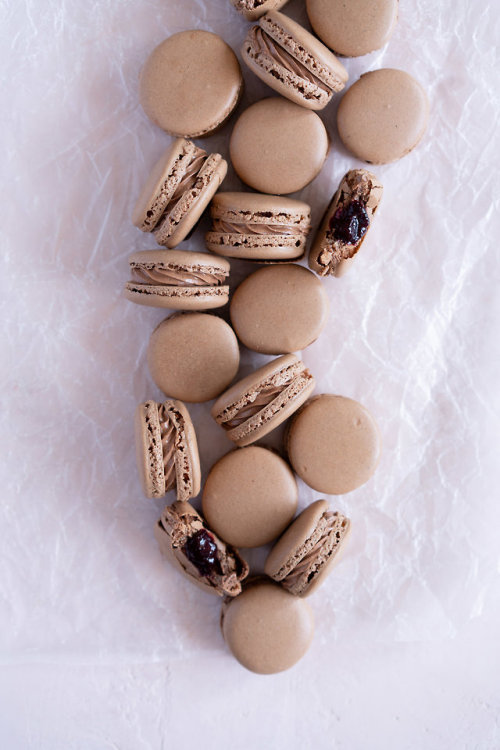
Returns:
(227, 227)
(261, 43)
(167, 431)
(332, 528)
(263, 398)
(187, 182)
(152, 274)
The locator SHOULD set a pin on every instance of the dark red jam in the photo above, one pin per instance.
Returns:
(201, 550)
(349, 223)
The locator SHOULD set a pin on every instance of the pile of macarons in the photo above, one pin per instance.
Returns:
(277, 146)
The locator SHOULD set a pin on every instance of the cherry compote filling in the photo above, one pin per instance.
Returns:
(349, 223)
(201, 550)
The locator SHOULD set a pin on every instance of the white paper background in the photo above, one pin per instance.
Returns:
(102, 645)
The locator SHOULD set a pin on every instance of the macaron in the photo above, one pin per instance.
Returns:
(252, 9)
(178, 279)
(345, 223)
(333, 444)
(278, 147)
(279, 309)
(250, 496)
(292, 61)
(254, 406)
(354, 28)
(186, 541)
(191, 83)
(258, 227)
(193, 356)
(180, 187)
(306, 553)
(267, 629)
(383, 116)
(166, 450)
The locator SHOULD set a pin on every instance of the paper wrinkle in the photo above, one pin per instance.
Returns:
(411, 335)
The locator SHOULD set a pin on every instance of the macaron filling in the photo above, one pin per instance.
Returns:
(171, 275)
(253, 227)
(320, 547)
(265, 51)
(200, 552)
(168, 432)
(187, 182)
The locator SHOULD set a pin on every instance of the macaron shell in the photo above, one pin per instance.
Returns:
(383, 116)
(251, 14)
(193, 356)
(191, 83)
(278, 147)
(188, 471)
(334, 444)
(299, 531)
(353, 28)
(326, 567)
(149, 454)
(279, 309)
(185, 215)
(267, 629)
(177, 297)
(259, 248)
(161, 184)
(250, 496)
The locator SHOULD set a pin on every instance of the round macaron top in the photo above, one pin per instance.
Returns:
(353, 28)
(279, 309)
(191, 83)
(305, 48)
(383, 115)
(193, 356)
(267, 629)
(277, 146)
(250, 496)
(257, 208)
(334, 444)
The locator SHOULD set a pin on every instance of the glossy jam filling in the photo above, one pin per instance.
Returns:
(201, 550)
(349, 223)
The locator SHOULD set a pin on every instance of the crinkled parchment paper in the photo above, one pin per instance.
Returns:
(412, 334)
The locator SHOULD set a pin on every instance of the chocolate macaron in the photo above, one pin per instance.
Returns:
(353, 28)
(252, 9)
(279, 309)
(185, 540)
(333, 444)
(278, 147)
(193, 356)
(179, 188)
(304, 555)
(250, 496)
(254, 406)
(191, 83)
(345, 223)
(293, 62)
(166, 450)
(383, 116)
(258, 227)
(267, 629)
(179, 280)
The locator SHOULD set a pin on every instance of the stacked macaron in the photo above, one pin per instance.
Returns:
(189, 87)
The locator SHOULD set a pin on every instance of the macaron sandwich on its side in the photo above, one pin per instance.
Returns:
(258, 227)
(308, 549)
(253, 9)
(179, 280)
(167, 450)
(184, 539)
(263, 400)
(293, 62)
(345, 223)
(177, 192)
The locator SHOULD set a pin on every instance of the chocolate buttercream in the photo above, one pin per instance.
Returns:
(244, 227)
(152, 274)
(167, 431)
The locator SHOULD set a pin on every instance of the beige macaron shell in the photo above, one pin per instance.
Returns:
(334, 444)
(353, 28)
(250, 496)
(181, 297)
(193, 356)
(188, 471)
(161, 184)
(267, 629)
(278, 147)
(279, 309)
(383, 116)
(245, 7)
(149, 453)
(191, 83)
(188, 210)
